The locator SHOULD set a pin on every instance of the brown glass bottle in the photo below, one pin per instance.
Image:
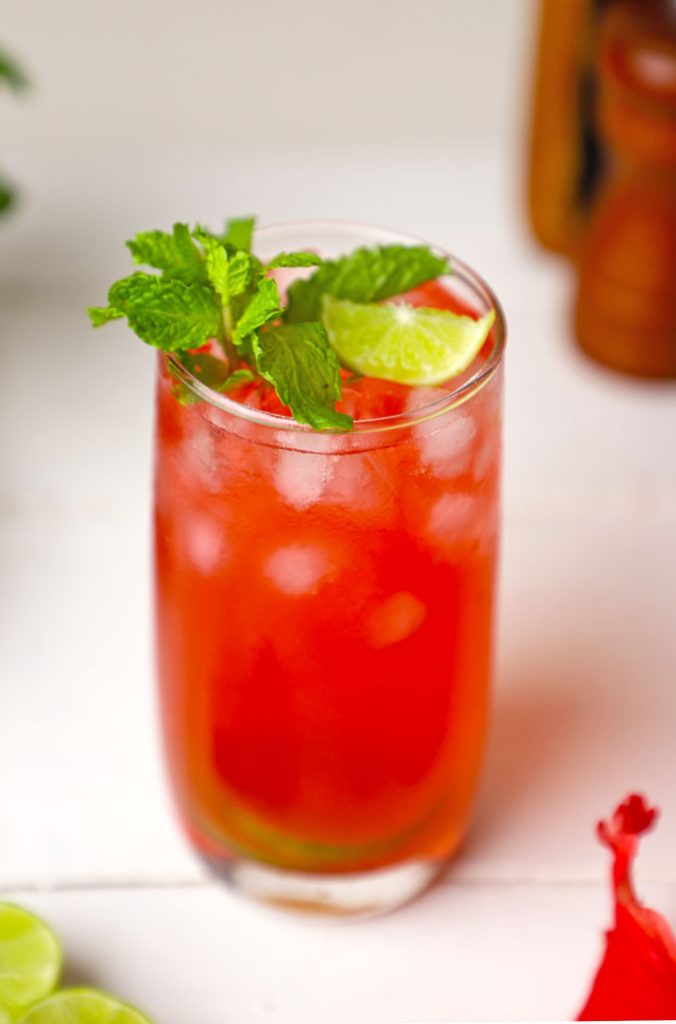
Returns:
(626, 307)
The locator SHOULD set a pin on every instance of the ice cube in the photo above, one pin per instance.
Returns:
(213, 457)
(205, 542)
(397, 618)
(362, 483)
(421, 397)
(446, 444)
(350, 481)
(200, 457)
(487, 456)
(301, 477)
(451, 514)
(456, 520)
(299, 569)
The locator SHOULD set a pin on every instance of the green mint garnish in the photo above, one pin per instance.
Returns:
(365, 275)
(212, 288)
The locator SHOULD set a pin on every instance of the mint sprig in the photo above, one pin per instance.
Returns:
(211, 287)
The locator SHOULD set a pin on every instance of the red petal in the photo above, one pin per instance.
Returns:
(637, 977)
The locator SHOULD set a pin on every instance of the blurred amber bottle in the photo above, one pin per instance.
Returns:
(565, 157)
(626, 309)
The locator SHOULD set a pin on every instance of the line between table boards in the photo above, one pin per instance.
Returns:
(160, 885)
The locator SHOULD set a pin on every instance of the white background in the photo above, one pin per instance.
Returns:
(409, 115)
(225, 73)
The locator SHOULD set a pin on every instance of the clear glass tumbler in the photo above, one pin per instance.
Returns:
(325, 607)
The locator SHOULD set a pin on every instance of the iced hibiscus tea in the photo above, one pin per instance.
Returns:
(325, 615)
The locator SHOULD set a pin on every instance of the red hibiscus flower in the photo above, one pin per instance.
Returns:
(637, 976)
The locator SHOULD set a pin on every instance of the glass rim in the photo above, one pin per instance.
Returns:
(454, 396)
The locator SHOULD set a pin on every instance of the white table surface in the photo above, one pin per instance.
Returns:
(585, 692)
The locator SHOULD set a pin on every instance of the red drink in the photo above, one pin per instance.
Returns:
(325, 607)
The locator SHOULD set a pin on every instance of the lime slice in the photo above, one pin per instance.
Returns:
(30, 959)
(402, 343)
(82, 1006)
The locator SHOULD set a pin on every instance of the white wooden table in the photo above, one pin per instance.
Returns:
(585, 696)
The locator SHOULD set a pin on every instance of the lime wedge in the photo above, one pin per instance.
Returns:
(82, 1006)
(402, 343)
(30, 960)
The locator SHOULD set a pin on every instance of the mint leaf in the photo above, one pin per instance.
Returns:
(245, 278)
(210, 371)
(100, 315)
(263, 306)
(241, 270)
(230, 272)
(239, 232)
(365, 275)
(299, 362)
(175, 254)
(295, 259)
(214, 372)
(236, 379)
(164, 312)
(217, 266)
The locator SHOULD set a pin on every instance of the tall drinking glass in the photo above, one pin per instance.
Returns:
(325, 608)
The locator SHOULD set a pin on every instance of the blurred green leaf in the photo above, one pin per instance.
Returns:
(11, 73)
(7, 196)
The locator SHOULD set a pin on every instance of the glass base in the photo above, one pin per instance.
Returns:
(350, 895)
